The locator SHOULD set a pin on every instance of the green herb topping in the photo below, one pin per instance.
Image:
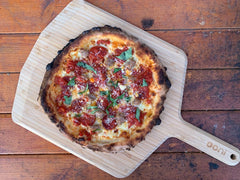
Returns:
(116, 70)
(107, 111)
(114, 84)
(96, 130)
(125, 77)
(128, 99)
(94, 111)
(77, 115)
(84, 90)
(72, 82)
(102, 93)
(92, 107)
(114, 101)
(125, 55)
(86, 66)
(68, 100)
(144, 83)
(138, 114)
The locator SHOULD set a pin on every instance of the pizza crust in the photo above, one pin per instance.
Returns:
(162, 85)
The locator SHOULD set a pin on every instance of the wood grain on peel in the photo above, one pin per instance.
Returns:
(33, 16)
(212, 90)
(157, 166)
(223, 124)
(205, 49)
(14, 50)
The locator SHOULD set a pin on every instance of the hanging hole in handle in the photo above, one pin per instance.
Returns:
(233, 157)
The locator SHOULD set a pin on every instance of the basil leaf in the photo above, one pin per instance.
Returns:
(68, 100)
(114, 103)
(111, 116)
(92, 107)
(125, 55)
(102, 93)
(116, 70)
(84, 90)
(72, 82)
(77, 115)
(108, 108)
(128, 99)
(125, 77)
(86, 66)
(107, 111)
(93, 112)
(138, 114)
(144, 83)
(96, 130)
(114, 84)
(110, 98)
(120, 97)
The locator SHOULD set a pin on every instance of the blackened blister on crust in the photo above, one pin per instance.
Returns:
(163, 79)
(60, 51)
(49, 66)
(71, 40)
(157, 121)
(168, 83)
(61, 126)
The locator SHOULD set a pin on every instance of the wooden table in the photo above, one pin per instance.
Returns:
(208, 31)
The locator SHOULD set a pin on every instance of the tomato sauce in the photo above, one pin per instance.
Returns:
(85, 133)
(77, 104)
(81, 82)
(118, 76)
(141, 74)
(102, 103)
(96, 54)
(115, 92)
(85, 119)
(62, 109)
(130, 114)
(118, 51)
(103, 41)
(62, 81)
(109, 122)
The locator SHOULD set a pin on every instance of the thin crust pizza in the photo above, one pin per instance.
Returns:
(105, 89)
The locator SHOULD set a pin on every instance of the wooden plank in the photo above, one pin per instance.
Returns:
(17, 140)
(28, 16)
(212, 90)
(33, 16)
(14, 50)
(153, 14)
(7, 91)
(205, 49)
(204, 90)
(223, 124)
(157, 166)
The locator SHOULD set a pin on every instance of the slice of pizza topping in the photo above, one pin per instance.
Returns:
(104, 86)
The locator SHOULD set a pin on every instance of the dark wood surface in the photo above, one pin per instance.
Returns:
(208, 31)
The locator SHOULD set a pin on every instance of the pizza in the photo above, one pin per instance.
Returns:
(105, 89)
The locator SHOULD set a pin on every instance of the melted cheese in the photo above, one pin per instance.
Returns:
(103, 134)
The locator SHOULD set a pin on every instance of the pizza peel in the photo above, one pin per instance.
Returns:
(77, 17)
